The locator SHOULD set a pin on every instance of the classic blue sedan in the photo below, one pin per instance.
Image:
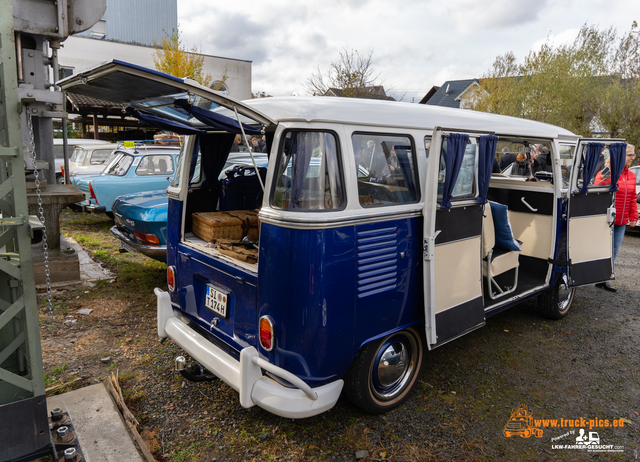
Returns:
(140, 168)
(141, 219)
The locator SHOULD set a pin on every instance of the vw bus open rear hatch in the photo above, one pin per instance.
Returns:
(154, 92)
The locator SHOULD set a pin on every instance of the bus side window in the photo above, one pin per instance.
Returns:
(386, 167)
(465, 186)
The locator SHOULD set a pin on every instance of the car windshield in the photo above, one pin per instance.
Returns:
(112, 157)
(78, 155)
(121, 166)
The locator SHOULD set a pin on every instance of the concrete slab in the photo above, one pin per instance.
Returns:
(101, 431)
(89, 269)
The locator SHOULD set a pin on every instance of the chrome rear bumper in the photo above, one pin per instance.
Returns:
(245, 376)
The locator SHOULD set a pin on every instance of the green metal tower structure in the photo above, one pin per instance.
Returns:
(23, 408)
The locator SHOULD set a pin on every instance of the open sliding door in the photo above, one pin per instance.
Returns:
(452, 239)
(591, 211)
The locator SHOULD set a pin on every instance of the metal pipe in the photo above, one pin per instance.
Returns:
(246, 141)
(65, 145)
(19, 57)
(54, 44)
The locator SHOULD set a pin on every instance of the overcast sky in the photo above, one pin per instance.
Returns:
(416, 44)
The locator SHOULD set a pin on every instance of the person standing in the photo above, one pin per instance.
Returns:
(626, 206)
(507, 158)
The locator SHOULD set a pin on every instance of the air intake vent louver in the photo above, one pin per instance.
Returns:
(377, 261)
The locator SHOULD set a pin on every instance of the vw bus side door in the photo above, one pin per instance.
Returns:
(452, 255)
(589, 224)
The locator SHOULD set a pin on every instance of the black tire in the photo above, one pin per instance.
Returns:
(60, 179)
(109, 214)
(373, 385)
(555, 303)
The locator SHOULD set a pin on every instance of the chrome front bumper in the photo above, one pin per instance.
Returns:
(245, 376)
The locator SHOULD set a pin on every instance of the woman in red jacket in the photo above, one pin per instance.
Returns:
(626, 205)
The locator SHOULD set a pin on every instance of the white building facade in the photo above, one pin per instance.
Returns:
(127, 32)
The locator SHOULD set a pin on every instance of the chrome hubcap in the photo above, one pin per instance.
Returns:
(565, 293)
(392, 364)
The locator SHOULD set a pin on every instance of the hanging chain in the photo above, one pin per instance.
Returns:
(32, 150)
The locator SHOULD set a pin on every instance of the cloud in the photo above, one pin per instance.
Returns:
(472, 15)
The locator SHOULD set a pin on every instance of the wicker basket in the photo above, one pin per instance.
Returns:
(210, 226)
(250, 223)
(233, 225)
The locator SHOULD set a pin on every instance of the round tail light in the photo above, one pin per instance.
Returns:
(267, 333)
(171, 278)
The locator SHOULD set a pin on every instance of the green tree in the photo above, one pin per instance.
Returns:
(353, 75)
(588, 84)
(173, 57)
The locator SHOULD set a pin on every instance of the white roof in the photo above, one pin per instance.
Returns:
(396, 114)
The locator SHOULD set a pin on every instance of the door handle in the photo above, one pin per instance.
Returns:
(527, 204)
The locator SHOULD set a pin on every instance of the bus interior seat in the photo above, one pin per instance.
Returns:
(496, 260)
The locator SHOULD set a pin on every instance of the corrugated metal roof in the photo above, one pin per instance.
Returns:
(448, 92)
(138, 22)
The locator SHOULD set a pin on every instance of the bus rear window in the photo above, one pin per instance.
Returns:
(308, 176)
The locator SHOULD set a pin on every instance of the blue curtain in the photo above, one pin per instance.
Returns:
(590, 164)
(214, 150)
(300, 158)
(405, 168)
(215, 120)
(617, 159)
(456, 144)
(163, 124)
(487, 154)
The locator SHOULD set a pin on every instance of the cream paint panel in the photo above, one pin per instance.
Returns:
(534, 231)
(458, 273)
(589, 239)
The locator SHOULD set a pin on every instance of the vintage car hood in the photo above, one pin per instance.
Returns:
(148, 206)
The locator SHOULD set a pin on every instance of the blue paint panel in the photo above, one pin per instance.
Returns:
(389, 277)
(307, 285)
(174, 225)
(196, 270)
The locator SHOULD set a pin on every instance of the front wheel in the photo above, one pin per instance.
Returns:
(384, 372)
(555, 303)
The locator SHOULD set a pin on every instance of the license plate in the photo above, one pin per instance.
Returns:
(216, 301)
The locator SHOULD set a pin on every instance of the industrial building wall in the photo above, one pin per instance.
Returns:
(136, 22)
(81, 53)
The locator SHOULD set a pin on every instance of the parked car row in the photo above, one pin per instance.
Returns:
(128, 182)
(141, 218)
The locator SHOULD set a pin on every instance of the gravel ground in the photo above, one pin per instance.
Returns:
(585, 366)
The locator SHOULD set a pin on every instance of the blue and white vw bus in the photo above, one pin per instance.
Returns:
(383, 234)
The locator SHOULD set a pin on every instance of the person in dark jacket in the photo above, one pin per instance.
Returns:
(507, 158)
(626, 205)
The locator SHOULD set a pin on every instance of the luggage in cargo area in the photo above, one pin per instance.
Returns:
(233, 225)
(241, 190)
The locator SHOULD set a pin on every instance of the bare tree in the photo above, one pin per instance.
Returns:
(353, 76)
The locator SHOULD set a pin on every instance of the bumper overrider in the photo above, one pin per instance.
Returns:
(90, 208)
(155, 252)
(245, 376)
